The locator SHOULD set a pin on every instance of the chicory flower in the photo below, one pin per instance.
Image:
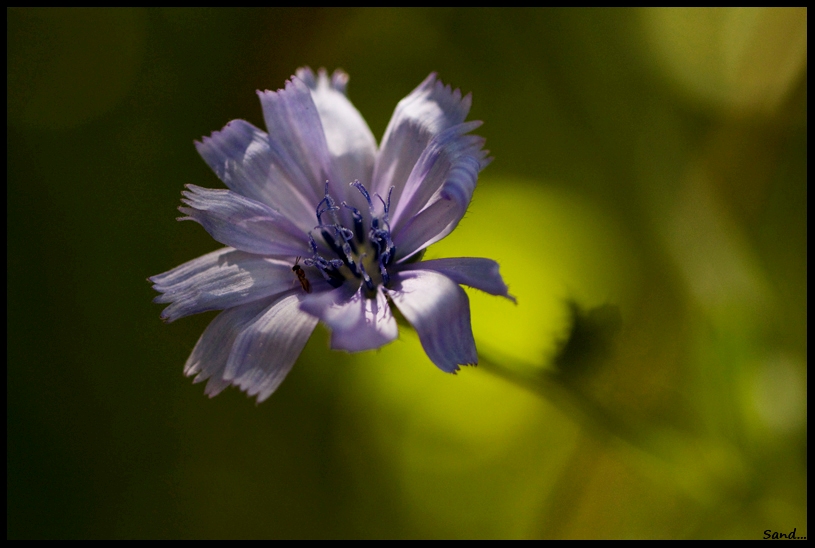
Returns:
(320, 224)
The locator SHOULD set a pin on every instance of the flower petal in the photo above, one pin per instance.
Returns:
(439, 310)
(350, 142)
(437, 167)
(479, 273)
(444, 211)
(243, 223)
(211, 352)
(266, 349)
(430, 109)
(218, 280)
(241, 157)
(357, 323)
(297, 138)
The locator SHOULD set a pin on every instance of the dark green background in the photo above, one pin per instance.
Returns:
(654, 161)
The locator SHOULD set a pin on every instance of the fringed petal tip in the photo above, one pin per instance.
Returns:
(225, 135)
(445, 368)
(224, 279)
(444, 94)
(293, 85)
(337, 81)
(479, 273)
(439, 311)
(252, 347)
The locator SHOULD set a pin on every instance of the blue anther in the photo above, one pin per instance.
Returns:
(339, 244)
(359, 229)
(386, 205)
(339, 230)
(359, 186)
(390, 192)
(313, 244)
(377, 247)
(346, 244)
(374, 220)
(329, 205)
(368, 282)
(331, 242)
(326, 267)
(384, 271)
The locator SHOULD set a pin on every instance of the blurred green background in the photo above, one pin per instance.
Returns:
(647, 204)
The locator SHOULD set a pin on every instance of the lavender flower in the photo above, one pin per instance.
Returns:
(323, 226)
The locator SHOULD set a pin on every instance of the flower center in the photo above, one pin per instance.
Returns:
(360, 253)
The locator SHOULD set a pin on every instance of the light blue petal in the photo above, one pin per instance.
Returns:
(357, 323)
(439, 310)
(426, 112)
(439, 169)
(266, 349)
(479, 273)
(219, 280)
(243, 223)
(443, 213)
(297, 138)
(241, 157)
(350, 142)
(211, 352)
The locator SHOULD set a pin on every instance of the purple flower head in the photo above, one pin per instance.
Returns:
(321, 225)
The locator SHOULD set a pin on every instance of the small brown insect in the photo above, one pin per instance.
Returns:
(301, 276)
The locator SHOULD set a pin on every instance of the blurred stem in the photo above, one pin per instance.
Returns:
(693, 463)
(560, 391)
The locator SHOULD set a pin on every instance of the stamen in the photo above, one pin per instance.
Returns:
(387, 205)
(328, 268)
(339, 244)
(329, 240)
(329, 206)
(359, 186)
(368, 281)
(347, 244)
(385, 234)
(359, 229)
(384, 272)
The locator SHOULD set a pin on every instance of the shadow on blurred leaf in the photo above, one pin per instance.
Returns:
(589, 342)
(588, 345)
